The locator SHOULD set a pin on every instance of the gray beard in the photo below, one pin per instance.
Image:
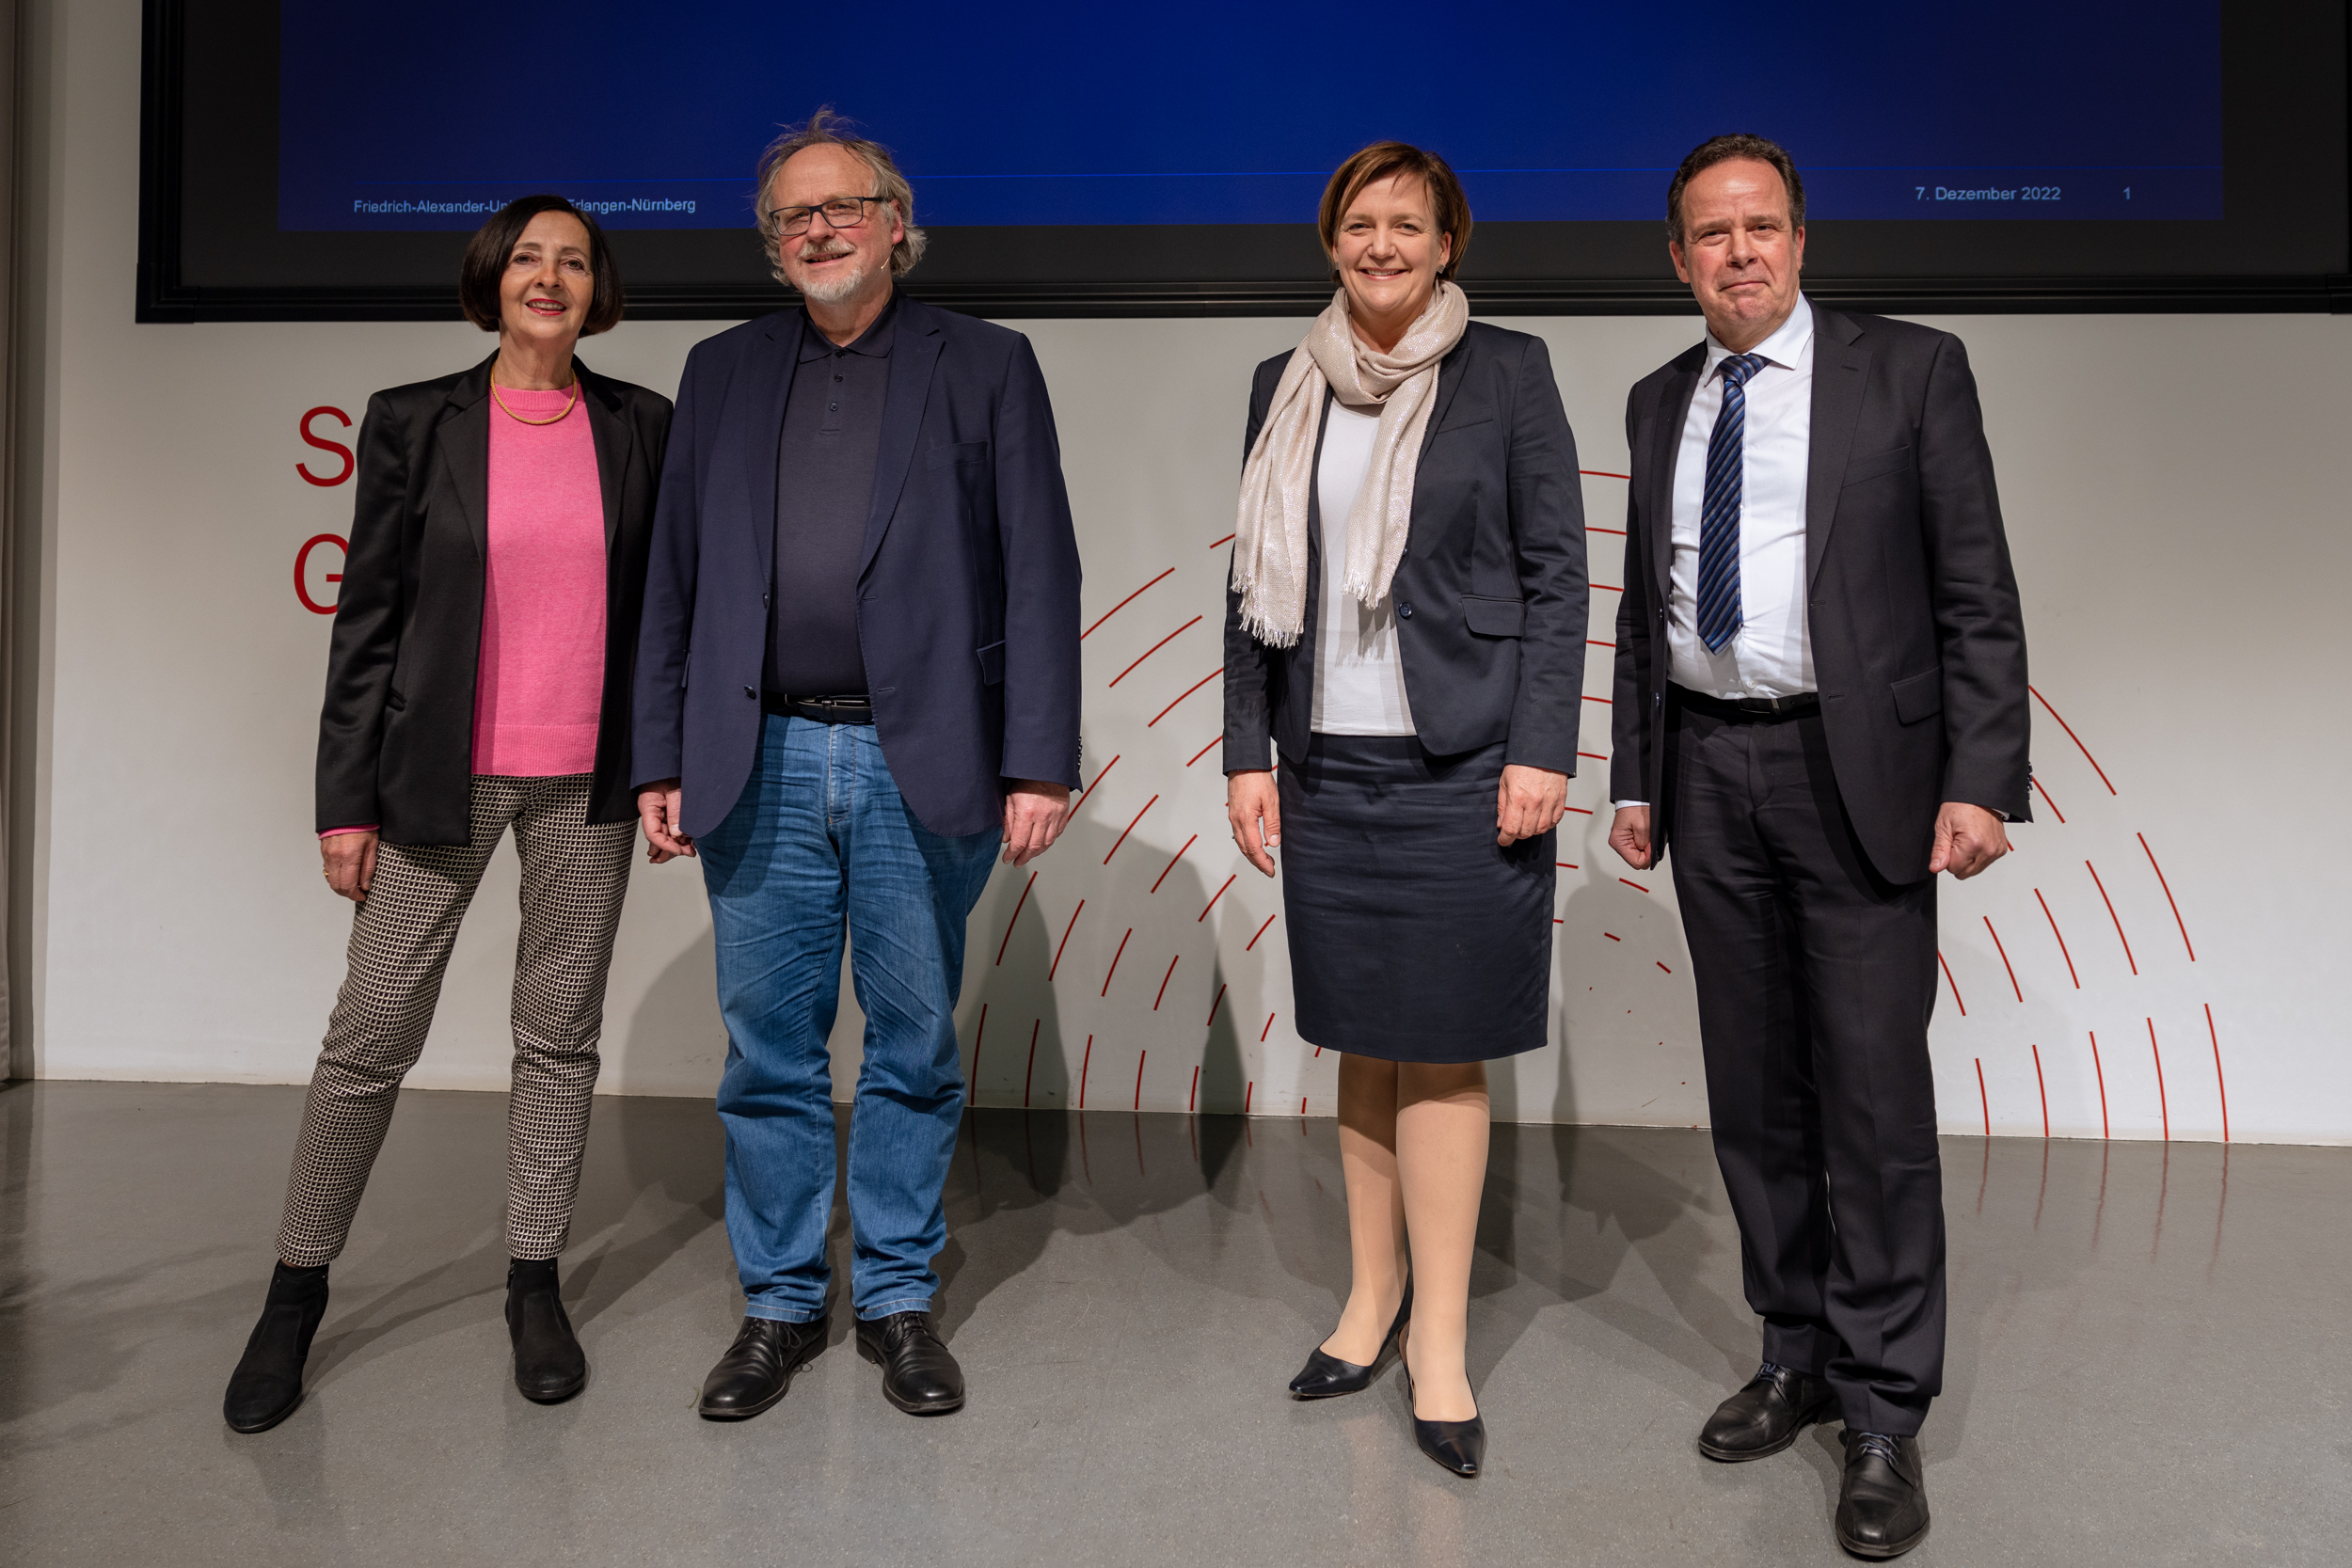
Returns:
(835, 290)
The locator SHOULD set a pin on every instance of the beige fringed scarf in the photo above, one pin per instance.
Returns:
(1270, 541)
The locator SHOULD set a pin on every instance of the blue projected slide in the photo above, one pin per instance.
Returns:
(1224, 113)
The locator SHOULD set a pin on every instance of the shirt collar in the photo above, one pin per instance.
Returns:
(1785, 348)
(874, 343)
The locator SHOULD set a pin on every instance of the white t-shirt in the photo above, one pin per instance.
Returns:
(1359, 678)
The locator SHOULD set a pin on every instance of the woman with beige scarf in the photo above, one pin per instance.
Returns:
(1405, 625)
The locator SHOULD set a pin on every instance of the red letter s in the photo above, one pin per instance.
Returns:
(325, 445)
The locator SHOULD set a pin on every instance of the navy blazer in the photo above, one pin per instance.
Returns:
(1918, 640)
(1490, 594)
(967, 606)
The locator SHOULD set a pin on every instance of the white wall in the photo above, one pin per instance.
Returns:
(2174, 488)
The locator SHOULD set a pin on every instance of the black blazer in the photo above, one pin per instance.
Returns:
(1490, 594)
(396, 732)
(1918, 641)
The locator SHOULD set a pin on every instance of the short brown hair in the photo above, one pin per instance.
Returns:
(493, 246)
(824, 130)
(1722, 150)
(1382, 160)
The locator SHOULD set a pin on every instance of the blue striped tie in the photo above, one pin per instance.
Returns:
(1718, 513)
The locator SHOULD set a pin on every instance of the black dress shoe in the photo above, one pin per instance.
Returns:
(758, 1368)
(1766, 1416)
(1459, 1446)
(1327, 1376)
(267, 1383)
(550, 1365)
(919, 1374)
(1882, 1502)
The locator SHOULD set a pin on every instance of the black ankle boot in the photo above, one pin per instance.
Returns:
(548, 1365)
(267, 1383)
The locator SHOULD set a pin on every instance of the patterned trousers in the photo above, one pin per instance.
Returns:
(574, 876)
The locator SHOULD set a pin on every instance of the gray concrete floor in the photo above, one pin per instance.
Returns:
(2148, 1357)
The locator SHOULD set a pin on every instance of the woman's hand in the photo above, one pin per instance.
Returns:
(1528, 802)
(660, 811)
(1255, 810)
(349, 859)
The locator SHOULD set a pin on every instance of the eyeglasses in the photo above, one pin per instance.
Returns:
(842, 212)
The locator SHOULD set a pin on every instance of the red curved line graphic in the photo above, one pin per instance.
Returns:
(2004, 952)
(1187, 692)
(1212, 903)
(1606, 588)
(1213, 1002)
(1947, 980)
(2163, 1105)
(1194, 1098)
(1602, 473)
(1087, 1063)
(1983, 1099)
(1124, 602)
(1612, 936)
(1016, 917)
(1662, 966)
(2042, 1089)
(2075, 738)
(1250, 1091)
(1115, 958)
(1172, 859)
(1131, 828)
(1139, 1056)
(2112, 915)
(1227, 540)
(2216, 1073)
(1164, 980)
(2168, 895)
(1602, 701)
(1156, 647)
(1030, 1077)
(2061, 939)
(977, 1036)
(1596, 757)
(1267, 1030)
(2037, 784)
(1204, 751)
(1634, 885)
(1065, 941)
(2102, 1080)
(1595, 528)
(1269, 920)
(1098, 779)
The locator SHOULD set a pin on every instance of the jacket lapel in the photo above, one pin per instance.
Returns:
(1841, 365)
(913, 358)
(772, 370)
(1451, 371)
(1665, 457)
(614, 442)
(464, 438)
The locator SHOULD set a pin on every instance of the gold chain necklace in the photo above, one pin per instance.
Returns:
(568, 403)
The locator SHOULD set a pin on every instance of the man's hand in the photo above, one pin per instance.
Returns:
(349, 859)
(660, 811)
(1528, 802)
(1035, 815)
(1629, 835)
(1254, 810)
(1967, 839)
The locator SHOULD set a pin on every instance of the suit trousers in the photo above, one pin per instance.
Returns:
(1816, 979)
(575, 873)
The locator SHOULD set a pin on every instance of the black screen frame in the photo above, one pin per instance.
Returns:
(2300, 126)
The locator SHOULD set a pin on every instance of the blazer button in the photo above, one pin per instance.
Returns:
(1404, 612)
(749, 692)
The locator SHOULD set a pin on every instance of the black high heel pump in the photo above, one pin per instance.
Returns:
(1327, 1376)
(1459, 1446)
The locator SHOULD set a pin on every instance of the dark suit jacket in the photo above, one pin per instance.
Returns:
(1918, 643)
(397, 734)
(967, 591)
(1490, 594)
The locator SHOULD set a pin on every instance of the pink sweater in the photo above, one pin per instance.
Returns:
(541, 681)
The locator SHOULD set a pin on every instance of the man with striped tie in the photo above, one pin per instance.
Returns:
(1819, 706)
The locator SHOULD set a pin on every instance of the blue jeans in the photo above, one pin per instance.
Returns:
(820, 836)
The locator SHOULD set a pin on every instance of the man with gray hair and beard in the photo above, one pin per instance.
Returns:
(857, 677)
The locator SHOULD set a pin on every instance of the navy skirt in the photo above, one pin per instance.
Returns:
(1414, 937)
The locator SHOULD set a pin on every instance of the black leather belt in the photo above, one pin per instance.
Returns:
(858, 710)
(1749, 710)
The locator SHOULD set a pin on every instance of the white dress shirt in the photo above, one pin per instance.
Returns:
(1770, 654)
(1360, 677)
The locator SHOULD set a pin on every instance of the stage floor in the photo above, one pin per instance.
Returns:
(2149, 1356)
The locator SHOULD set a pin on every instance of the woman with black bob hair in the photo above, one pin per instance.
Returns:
(478, 680)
